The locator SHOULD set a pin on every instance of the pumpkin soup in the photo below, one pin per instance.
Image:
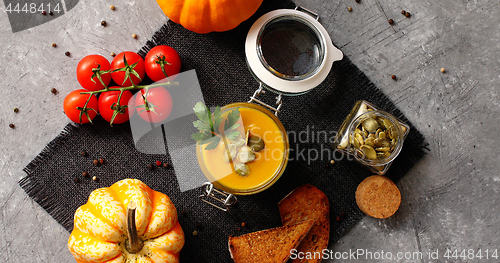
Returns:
(253, 160)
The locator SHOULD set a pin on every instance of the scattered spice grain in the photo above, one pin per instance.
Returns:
(51, 13)
(195, 233)
(150, 166)
(357, 1)
(85, 174)
(84, 153)
(44, 13)
(243, 224)
(16, 110)
(165, 165)
(349, 9)
(96, 162)
(332, 161)
(12, 126)
(101, 161)
(407, 14)
(134, 36)
(443, 70)
(112, 7)
(67, 53)
(403, 12)
(391, 22)
(94, 178)
(158, 163)
(54, 91)
(394, 77)
(103, 23)
(113, 54)
(76, 180)
(54, 45)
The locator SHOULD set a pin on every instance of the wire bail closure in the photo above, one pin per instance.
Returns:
(260, 90)
(307, 11)
(223, 197)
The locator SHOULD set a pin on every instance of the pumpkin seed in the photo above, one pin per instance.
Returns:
(355, 143)
(242, 169)
(383, 149)
(360, 139)
(370, 125)
(246, 155)
(238, 142)
(370, 142)
(230, 153)
(369, 152)
(256, 143)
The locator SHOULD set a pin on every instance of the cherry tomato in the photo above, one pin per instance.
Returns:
(164, 54)
(161, 105)
(74, 100)
(84, 72)
(107, 105)
(118, 62)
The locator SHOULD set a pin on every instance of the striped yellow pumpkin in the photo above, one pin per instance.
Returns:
(127, 222)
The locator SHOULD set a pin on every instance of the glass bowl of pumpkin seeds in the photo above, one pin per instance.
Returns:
(374, 137)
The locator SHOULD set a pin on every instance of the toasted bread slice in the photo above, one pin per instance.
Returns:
(272, 245)
(307, 202)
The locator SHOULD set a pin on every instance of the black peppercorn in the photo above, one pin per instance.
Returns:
(391, 22)
(96, 162)
(54, 91)
(393, 77)
(67, 53)
(408, 14)
(16, 110)
(357, 1)
(165, 165)
(85, 174)
(12, 126)
(103, 23)
(403, 12)
(51, 13)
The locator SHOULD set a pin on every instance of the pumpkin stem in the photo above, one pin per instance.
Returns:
(134, 244)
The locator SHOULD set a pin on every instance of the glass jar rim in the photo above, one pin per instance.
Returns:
(400, 139)
(306, 24)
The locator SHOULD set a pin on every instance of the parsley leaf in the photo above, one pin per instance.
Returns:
(232, 118)
(209, 126)
(214, 141)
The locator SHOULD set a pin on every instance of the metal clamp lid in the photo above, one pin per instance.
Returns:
(260, 90)
(223, 197)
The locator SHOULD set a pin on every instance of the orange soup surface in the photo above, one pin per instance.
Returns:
(267, 162)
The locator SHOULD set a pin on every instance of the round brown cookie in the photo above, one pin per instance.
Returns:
(378, 196)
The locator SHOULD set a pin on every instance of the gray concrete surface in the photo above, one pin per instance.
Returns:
(449, 198)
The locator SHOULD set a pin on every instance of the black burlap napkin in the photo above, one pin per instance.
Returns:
(219, 61)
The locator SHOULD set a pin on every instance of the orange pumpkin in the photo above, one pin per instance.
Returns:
(127, 222)
(204, 16)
